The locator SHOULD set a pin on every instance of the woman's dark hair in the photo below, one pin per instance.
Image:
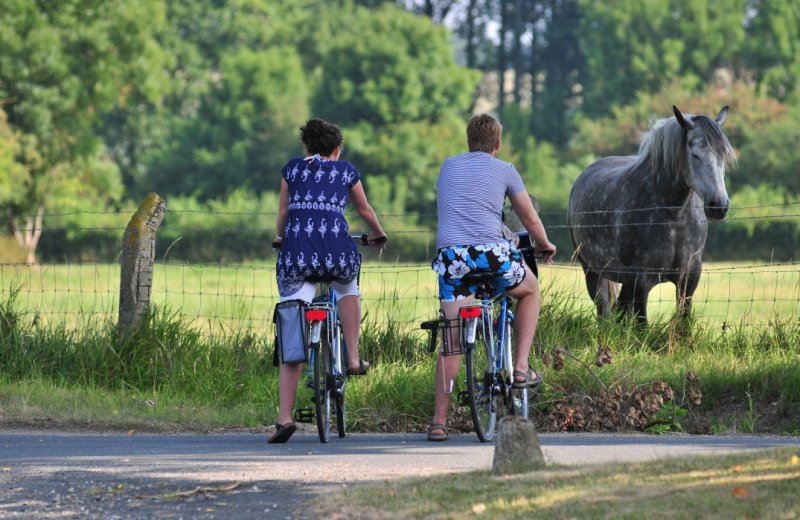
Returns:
(320, 137)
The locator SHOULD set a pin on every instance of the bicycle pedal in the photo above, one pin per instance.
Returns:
(304, 415)
(463, 398)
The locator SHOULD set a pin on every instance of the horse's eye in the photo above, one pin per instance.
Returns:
(696, 156)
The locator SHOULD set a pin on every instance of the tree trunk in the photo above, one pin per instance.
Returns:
(517, 52)
(502, 55)
(28, 237)
(471, 22)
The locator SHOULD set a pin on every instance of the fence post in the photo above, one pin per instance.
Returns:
(136, 261)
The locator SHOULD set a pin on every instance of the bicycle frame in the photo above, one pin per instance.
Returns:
(471, 315)
(327, 360)
(494, 379)
(317, 313)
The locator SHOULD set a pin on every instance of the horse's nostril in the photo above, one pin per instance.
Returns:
(716, 211)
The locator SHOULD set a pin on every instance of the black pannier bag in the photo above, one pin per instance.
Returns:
(290, 332)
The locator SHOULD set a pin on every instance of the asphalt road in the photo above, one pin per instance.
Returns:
(45, 474)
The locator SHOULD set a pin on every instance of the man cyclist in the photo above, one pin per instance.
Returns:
(472, 188)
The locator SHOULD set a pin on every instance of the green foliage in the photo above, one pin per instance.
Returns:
(772, 47)
(107, 101)
(757, 207)
(238, 228)
(639, 45)
(395, 68)
(14, 176)
(771, 153)
(669, 418)
(544, 176)
(62, 63)
(239, 136)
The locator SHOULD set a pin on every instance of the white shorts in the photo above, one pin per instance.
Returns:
(309, 290)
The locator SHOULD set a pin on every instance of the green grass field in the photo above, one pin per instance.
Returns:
(237, 297)
(206, 350)
(760, 484)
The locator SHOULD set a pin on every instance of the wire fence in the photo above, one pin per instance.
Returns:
(224, 297)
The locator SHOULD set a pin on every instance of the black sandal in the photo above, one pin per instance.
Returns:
(282, 433)
(363, 367)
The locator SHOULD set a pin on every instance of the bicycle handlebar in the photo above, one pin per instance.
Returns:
(526, 244)
(362, 239)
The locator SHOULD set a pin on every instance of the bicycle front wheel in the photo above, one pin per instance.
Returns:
(518, 401)
(481, 390)
(322, 390)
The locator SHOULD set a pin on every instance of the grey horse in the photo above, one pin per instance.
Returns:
(642, 220)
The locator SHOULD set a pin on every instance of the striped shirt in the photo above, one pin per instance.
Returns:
(472, 188)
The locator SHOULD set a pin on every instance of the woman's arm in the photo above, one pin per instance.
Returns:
(528, 217)
(283, 211)
(365, 211)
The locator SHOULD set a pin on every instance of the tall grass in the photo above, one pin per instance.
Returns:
(228, 379)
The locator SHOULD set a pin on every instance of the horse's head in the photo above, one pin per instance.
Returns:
(708, 152)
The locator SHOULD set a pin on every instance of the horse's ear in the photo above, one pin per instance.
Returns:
(722, 116)
(685, 123)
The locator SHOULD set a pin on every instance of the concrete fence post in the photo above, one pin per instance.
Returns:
(136, 261)
(517, 449)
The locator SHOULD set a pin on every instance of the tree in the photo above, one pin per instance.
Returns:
(62, 64)
(395, 88)
(772, 48)
(240, 134)
(396, 68)
(771, 154)
(14, 176)
(641, 45)
(236, 91)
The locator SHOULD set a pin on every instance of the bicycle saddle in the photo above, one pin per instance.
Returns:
(479, 277)
(320, 279)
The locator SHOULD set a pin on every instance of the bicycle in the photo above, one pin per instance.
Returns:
(486, 339)
(327, 360)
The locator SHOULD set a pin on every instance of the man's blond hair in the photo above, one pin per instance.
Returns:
(483, 133)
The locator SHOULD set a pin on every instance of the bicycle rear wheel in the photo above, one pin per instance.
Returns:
(341, 383)
(481, 390)
(322, 390)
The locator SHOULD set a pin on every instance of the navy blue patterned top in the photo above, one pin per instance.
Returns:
(316, 241)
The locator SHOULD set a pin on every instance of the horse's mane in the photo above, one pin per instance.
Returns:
(664, 144)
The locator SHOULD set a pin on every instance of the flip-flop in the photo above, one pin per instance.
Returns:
(437, 436)
(282, 433)
(530, 379)
(363, 367)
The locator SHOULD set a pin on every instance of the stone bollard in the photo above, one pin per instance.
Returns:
(517, 449)
(138, 255)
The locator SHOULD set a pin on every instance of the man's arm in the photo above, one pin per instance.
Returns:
(528, 217)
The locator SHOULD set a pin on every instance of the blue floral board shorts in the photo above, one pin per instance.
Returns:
(453, 263)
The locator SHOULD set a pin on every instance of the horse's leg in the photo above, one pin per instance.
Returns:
(685, 288)
(625, 299)
(598, 292)
(633, 299)
(640, 292)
